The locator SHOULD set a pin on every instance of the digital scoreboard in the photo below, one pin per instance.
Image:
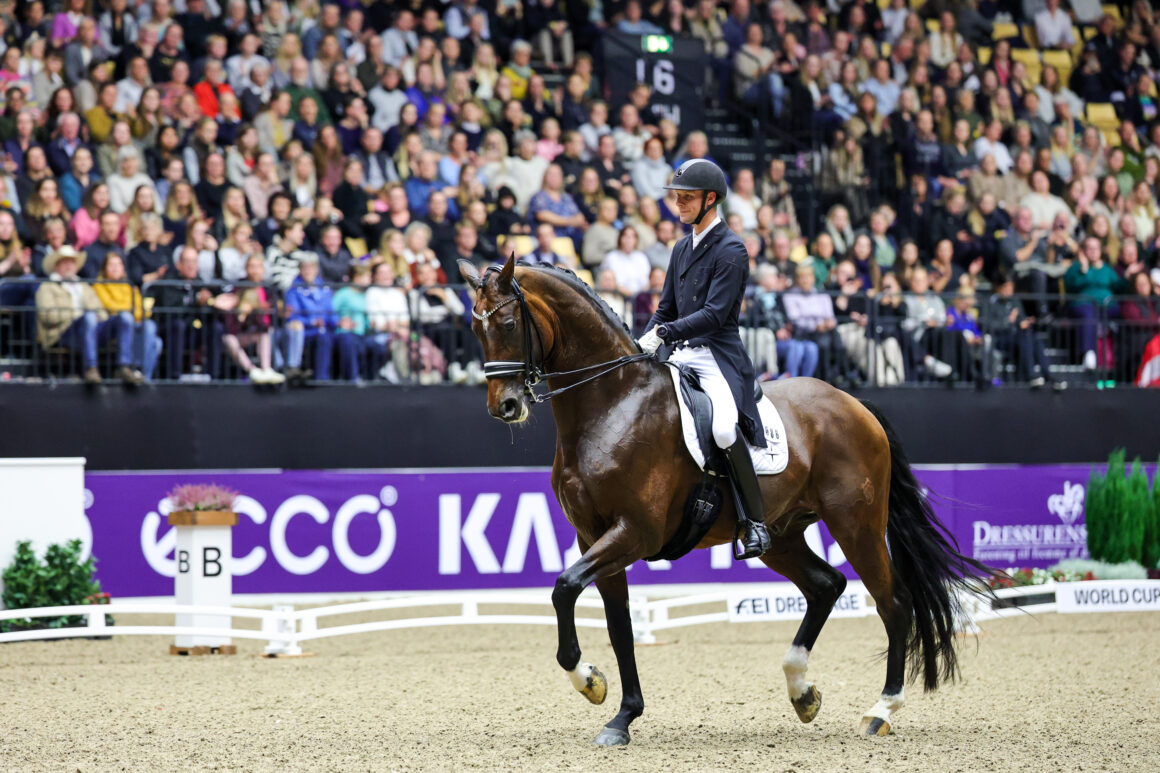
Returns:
(674, 68)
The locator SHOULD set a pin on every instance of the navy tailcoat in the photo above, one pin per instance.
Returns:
(701, 303)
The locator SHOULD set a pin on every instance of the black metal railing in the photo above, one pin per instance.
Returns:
(233, 333)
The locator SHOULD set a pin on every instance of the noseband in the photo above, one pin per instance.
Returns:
(532, 371)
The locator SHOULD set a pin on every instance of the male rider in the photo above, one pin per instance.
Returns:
(698, 313)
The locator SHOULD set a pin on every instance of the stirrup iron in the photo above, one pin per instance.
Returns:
(750, 539)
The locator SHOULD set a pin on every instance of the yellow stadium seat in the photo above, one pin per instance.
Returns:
(1060, 60)
(1025, 55)
(1114, 12)
(565, 248)
(1111, 138)
(1034, 74)
(883, 5)
(984, 55)
(1102, 115)
(885, 48)
(1030, 60)
(1064, 75)
(932, 26)
(1030, 35)
(521, 244)
(1080, 37)
(1002, 31)
(356, 247)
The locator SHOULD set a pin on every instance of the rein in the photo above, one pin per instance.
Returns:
(533, 372)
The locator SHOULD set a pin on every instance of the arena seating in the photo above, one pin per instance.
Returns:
(370, 134)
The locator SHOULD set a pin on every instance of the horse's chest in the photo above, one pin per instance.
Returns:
(602, 470)
(586, 487)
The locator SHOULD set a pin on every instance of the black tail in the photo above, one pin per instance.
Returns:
(930, 568)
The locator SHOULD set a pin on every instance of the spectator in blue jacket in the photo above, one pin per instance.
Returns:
(355, 347)
(66, 143)
(78, 178)
(419, 187)
(311, 319)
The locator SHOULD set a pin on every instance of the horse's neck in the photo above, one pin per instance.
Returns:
(585, 337)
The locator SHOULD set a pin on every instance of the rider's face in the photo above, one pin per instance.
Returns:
(688, 205)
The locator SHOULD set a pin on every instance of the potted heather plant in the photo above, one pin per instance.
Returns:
(202, 504)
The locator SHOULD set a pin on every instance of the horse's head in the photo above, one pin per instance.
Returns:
(513, 327)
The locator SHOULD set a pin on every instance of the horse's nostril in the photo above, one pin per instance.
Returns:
(509, 408)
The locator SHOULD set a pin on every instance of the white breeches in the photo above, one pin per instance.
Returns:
(701, 361)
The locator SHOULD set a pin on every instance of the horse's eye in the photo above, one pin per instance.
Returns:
(509, 325)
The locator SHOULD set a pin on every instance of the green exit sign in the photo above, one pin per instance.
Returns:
(657, 44)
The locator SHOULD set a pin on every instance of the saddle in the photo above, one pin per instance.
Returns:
(704, 502)
(702, 410)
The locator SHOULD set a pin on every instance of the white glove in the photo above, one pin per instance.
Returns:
(650, 342)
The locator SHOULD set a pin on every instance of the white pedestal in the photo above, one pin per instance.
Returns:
(42, 500)
(204, 572)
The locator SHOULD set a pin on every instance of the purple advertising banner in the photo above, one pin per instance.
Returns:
(369, 531)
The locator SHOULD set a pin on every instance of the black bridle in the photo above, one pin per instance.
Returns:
(532, 371)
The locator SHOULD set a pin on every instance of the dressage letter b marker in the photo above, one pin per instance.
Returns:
(204, 575)
(208, 561)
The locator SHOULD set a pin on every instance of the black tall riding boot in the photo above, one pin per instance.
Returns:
(752, 534)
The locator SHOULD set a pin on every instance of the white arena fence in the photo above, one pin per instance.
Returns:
(285, 629)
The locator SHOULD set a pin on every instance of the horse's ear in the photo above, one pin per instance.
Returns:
(509, 271)
(470, 274)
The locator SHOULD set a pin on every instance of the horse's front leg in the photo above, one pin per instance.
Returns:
(609, 555)
(614, 592)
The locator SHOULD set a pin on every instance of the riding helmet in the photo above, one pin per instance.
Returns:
(699, 174)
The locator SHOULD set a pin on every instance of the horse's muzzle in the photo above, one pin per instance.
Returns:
(512, 410)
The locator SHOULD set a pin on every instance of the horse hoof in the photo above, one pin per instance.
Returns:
(611, 736)
(591, 684)
(875, 726)
(808, 704)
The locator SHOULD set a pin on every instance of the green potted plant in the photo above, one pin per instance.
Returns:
(1123, 519)
(1151, 552)
(61, 578)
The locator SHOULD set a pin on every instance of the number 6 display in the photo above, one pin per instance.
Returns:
(673, 69)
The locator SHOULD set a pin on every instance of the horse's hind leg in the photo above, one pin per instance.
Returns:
(868, 556)
(822, 585)
(610, 555)
(614, 592)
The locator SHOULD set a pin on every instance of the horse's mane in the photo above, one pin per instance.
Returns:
(568, 277)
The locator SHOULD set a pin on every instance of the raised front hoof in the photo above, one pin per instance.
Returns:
(875, 726)
(808, 705)
(595, 687)
(611, 736)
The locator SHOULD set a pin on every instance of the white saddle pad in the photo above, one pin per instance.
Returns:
(772, 459)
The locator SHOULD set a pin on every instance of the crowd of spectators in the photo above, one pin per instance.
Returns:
(283, 189)
(970, 149)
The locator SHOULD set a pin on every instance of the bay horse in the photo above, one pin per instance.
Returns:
(622, 475)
